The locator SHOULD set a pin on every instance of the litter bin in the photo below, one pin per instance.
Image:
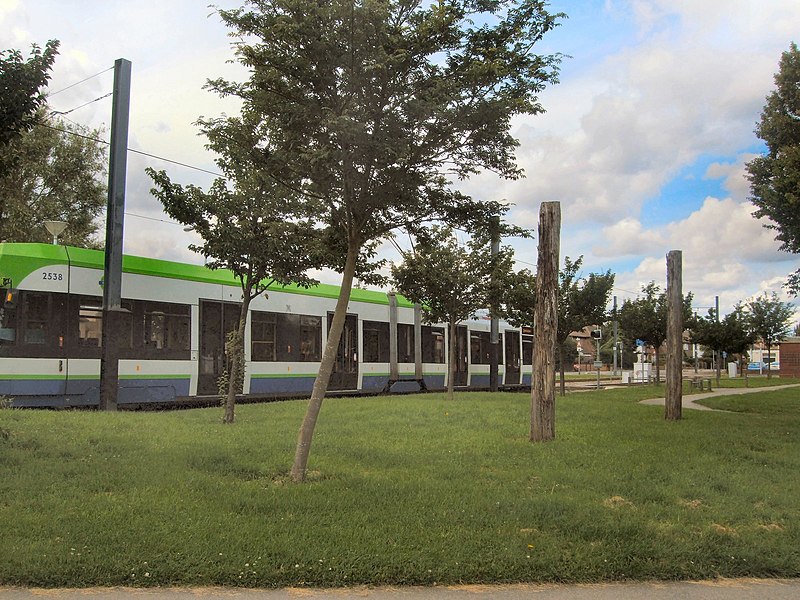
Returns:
(733, 369)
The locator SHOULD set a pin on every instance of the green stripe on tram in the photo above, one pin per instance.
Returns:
(20, 260)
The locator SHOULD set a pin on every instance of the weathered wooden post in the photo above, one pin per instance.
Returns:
(545, 325)
(674, 391)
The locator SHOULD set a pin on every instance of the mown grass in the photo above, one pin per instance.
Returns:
(403, 490)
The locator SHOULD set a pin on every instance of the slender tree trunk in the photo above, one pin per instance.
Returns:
(545, 329)
(561, 360)
(306, 434)
(451, 361)
(236, 360)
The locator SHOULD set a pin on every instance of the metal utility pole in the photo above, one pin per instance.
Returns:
(494, 331)
(718, 352)
(616, 337)
(115, 213)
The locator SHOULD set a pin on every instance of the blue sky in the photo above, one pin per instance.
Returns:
(643, 143)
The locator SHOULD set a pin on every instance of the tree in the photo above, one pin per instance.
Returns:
(21, 83)
(450, 282)
(797, 330)
(59, 174)
(732, 335)
(582, 301)
(252, 229)
(769, 320)
(370, 108)
(775, 176)
(645, 318)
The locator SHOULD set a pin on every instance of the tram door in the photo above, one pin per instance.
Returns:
(512, 357)
(462, 352)
(217, 319)
(345, 369)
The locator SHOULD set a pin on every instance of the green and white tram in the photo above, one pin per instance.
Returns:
(176, 317)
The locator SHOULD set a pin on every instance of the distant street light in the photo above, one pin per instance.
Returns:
(55, 228)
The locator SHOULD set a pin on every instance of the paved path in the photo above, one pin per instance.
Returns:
(688, 401)
(725, 589)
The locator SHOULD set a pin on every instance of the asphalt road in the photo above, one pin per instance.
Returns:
(725, 589)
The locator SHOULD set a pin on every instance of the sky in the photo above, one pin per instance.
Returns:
(643, 142)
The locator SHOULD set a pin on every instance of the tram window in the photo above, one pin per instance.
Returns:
(376, 342)
(527, 349)
(90, 323)
(37, 311)
(405, 343)
(310, 338)
(285, 338)
(166, 326)
(262, 334)
(432, 344)
(479, 348)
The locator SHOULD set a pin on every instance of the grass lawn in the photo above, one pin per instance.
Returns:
(405, 490)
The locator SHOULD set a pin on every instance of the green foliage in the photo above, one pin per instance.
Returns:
(645, 318)
(21, 95)
(768, 318)
(369, 108)
(775, 176)
(732, 335)
(450, 281)
(519, 298)
(582, 301)
(411, 490)
(58, 174)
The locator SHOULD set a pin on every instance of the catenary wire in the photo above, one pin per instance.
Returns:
(66, 112)
(79, 82)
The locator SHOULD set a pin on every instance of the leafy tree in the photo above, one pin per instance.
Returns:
(450, 282)
(250, 228)
(59, 174)
(769, 320)
(645, 318)
(21, 83)
(518, 301)
(582, 301)
(732, 335)
(370, 108)
(775, 176)
(797, 330)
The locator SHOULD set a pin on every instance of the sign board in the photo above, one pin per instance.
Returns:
(598, 364)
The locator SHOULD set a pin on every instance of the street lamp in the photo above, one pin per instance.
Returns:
(55, 228)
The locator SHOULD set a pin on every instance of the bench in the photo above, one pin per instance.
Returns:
(699, 383)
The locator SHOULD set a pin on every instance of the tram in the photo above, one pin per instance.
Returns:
(174, 323)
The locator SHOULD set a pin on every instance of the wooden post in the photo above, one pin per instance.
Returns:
(674, 383)
(545, 325)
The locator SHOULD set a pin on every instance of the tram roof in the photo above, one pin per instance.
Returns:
(18, 260)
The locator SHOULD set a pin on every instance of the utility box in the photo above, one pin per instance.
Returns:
(733, 369)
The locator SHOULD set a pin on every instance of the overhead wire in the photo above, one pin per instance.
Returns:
(66, 112)
(50, 95)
